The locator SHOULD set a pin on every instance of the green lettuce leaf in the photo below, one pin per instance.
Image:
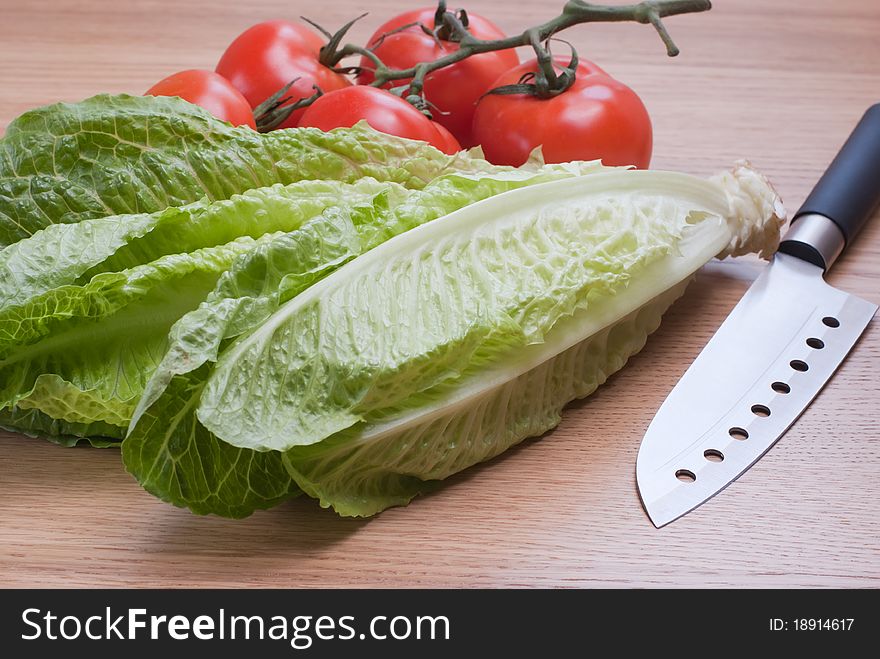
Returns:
(63, 254)
(397, 452)
(116, 155)
(69, 286)
(183, 462)
(34, 423)
(82, 354)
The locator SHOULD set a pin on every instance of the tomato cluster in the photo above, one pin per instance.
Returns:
(454, 90)
(597, 117)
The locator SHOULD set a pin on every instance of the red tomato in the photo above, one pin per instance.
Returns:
(448, 143)
(209, 90)
(383, 110)
(267, 56)
(597, 117)
(453, 90)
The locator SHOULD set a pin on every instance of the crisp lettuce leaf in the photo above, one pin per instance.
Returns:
(397, 454)
(82, 354)
(164, 446)
(34, 423)
(63, 254)
(117, 155)
(183, 462)
(70, 287)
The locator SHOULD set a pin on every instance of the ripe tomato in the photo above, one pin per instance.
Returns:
(448, 143)
(597, 117)
(267, 56)
(383, 110)
(453, 90)
(209, 90)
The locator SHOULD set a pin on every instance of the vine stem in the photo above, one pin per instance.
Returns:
(575, 12)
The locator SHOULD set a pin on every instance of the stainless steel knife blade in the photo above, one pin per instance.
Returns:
(765, 364)
(774, 352)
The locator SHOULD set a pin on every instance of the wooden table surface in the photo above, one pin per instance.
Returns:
(780, 83)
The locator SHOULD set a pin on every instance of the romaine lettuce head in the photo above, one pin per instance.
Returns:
(445, 345)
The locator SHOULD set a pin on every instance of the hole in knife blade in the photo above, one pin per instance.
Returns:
(831, 321)
(799, 365)
(815, 343)
(713, 455)
(780, 388)
(738, 433)
(685, 476)
(760, 410)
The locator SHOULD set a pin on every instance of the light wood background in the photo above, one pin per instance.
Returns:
(779, 82)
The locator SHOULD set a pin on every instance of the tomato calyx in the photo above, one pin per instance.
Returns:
(334, 50)
(273, 112)
(598, 117)
(418, 101)
(449, 25)
(546, 82)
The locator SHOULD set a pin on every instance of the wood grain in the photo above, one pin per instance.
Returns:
(781, 83)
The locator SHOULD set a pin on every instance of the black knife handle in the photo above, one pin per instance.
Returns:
(847, 194)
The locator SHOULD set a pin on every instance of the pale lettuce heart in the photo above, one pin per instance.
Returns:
(459, 294)
(397, 454)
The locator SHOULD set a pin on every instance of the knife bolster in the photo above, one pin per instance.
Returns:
(814, 238)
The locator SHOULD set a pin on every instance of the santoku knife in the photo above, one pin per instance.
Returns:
(776, 350)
